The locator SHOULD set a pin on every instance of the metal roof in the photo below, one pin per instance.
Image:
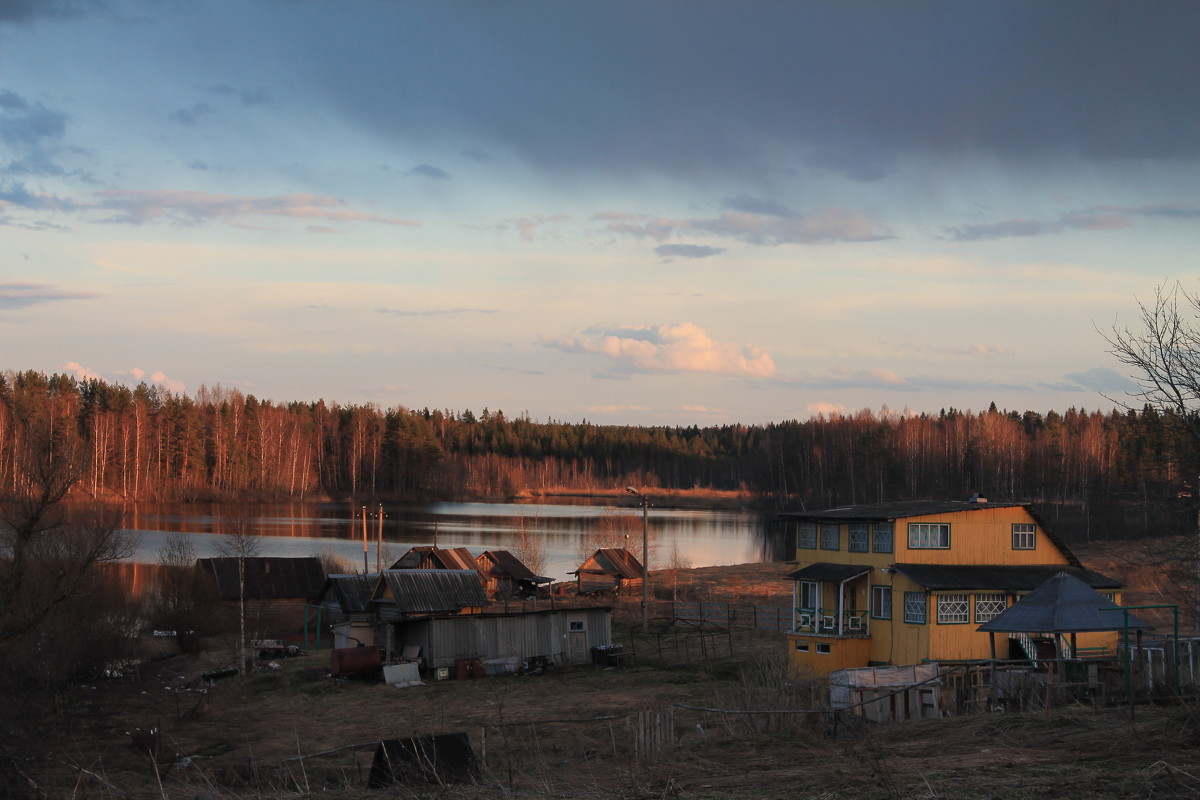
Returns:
(1062, 604)
(826, 571)
(267, 577)
(953, 577)
(430, 591)
(352, 592)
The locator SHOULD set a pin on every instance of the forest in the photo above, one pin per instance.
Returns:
(1095, 475)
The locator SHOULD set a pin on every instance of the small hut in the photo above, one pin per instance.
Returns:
(504, 575)
(608, 569)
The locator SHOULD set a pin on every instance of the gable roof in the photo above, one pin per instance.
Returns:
(351, 592)
(1024, 578)
(430, 591)
(1062, 604)
(267, 577)
(436, 557)
(903, 509)
(615, 561)
(505, 563)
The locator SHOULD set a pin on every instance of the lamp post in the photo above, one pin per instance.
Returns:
(645, 551)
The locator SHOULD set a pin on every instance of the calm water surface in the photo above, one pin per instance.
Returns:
(700, 537)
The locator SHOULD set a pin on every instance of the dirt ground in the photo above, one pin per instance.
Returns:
(589, 732)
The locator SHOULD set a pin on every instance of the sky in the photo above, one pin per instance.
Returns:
(653, 213)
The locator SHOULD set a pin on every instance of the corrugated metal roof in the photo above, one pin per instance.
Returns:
(826, 571)
(352, 592)
(1062, 604)
(948, 577)
(501, 563)
(615, 561)
(902, 509)
(430, 591)
(267, 577)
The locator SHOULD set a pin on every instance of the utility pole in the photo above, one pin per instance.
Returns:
(366, 568)
(379, 541)
(645, 553)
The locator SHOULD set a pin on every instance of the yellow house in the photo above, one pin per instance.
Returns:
(906, 582)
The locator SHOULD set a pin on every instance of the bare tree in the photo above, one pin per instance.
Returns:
(1163, 355)
(530, 548)
(49, 551)
(240, 544)
(179, 591)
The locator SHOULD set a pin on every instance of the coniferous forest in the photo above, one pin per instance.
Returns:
(1098, 475)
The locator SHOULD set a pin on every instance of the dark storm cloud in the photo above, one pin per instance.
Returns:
(729, 87)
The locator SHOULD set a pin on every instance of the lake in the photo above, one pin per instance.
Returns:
(679, 536)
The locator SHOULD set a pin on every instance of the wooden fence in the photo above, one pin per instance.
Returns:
(727, 615)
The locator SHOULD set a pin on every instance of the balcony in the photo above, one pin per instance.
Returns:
(851, 624)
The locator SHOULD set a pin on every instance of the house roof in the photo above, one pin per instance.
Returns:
(505, 563)
(902, 509)
(826, 571)
(431, 591)
(612, 561)
(954, 577)
(267, 577)
(1062, 604)
(439, 557)
(352, 592)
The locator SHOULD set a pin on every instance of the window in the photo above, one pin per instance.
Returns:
(881, 537)
(988, 606)
(824, 648)
(831, 536)
(928, 535)
(810, 594)
(1024, 536)
(954, 609)
(859, 537)
(802, 647)
(1110, 597)
(914, 607)
(806, 536)
(577, 626)
(881, 602)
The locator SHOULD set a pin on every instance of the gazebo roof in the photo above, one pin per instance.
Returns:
(1063, 604)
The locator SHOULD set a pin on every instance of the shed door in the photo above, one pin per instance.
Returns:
(577, 647)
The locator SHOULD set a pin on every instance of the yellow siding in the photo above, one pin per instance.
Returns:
(982, 536)
(843, 654)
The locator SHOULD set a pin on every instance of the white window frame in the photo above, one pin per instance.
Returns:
(989, 605)
(806, 536)
(881, 601)
(929, 536)
(858, 537)
(1024, 536)
(806, 587)
(824, 648)
(954, 608)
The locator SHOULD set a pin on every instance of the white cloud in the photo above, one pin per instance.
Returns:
(826, 408)
(682, 347)
(81, 372)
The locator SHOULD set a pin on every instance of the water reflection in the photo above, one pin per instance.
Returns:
(701, 537)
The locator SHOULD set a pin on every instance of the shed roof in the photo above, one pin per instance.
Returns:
(352, 592)
(826, 571)
(1062, 604)
(950, 577)
(615, 561)
(430, 591)
(267, 577)
(505, 563)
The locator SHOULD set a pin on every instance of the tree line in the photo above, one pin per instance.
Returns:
(1096, 470)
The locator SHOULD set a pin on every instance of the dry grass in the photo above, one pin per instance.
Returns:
(573, 734)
